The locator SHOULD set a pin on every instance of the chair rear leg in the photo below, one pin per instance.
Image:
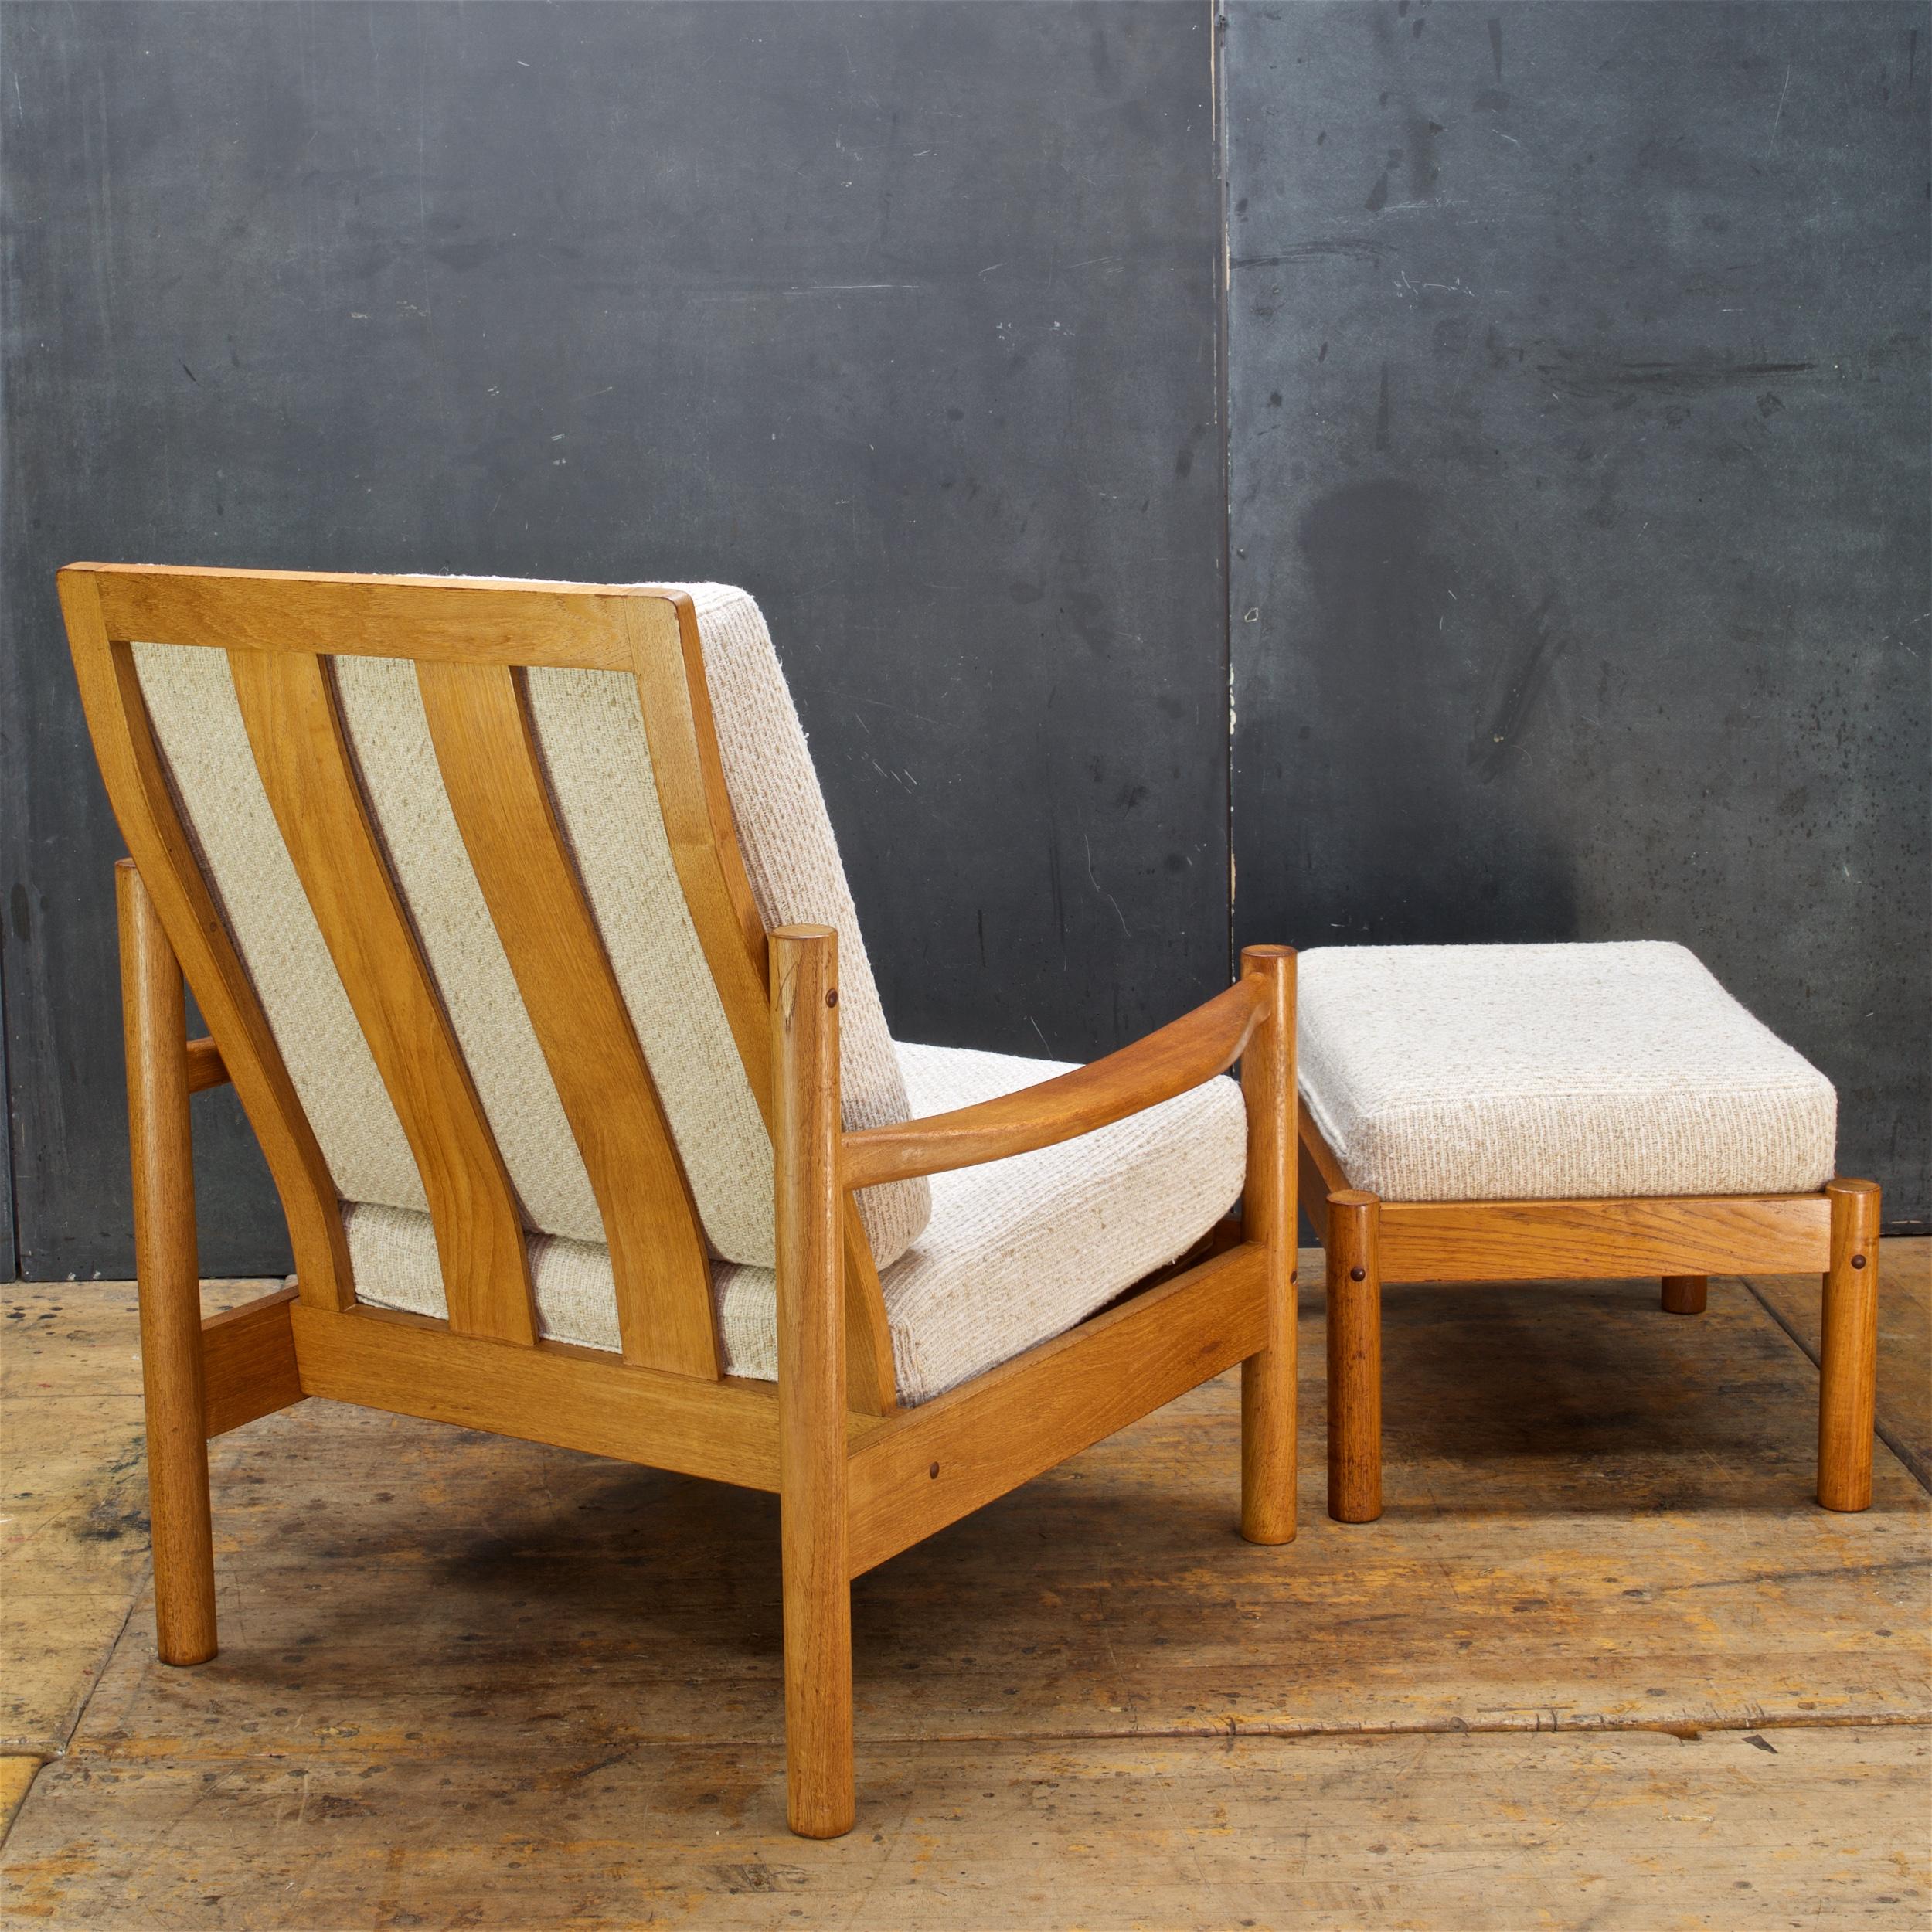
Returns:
(1355, 1357)
(155, 1019)
(812, 1472)
(1268, 1474)
(1848, 1386)
(1685, 1293)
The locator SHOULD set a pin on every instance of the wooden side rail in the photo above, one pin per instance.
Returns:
(205, 1066)
(1180, 1055)
(1612, 1239)
(933, 1465)
(248, 1363)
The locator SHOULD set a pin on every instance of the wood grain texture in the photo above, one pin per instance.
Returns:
(1629, 1833)
(1684, 1293)
(248, 1363)
(1179, 1056)
(295, 729)
(1268, 1376)
(74, 1552)
(1849, 1374)
(572, 1398)
(1087, 1704)
(667, 658)
(16, 1780)
(162, 1143)
(205, 1067)
(1904, 1398)
(479, 722)
(814, 1476)
(138, 787)
(319, 613)
(1607, 1240)
(1355, 1357)
(937, 1462)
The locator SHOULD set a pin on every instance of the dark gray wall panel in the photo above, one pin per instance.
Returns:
(1579, 397)
(903, 315)
(8, 1260)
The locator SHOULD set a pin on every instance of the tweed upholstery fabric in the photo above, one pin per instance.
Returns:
(198, 724)
(1526, 1073)
(792, 858)
(591, 738)
(1015, 1252)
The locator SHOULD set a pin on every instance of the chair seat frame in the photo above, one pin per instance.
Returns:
(859, 1478)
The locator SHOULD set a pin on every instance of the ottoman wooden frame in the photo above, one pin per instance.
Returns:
(1682, 1240)
(859, 1478)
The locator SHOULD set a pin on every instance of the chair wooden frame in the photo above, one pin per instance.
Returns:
(860, 1479)
(1682, 1240)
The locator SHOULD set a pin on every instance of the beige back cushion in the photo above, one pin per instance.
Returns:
(591, 736)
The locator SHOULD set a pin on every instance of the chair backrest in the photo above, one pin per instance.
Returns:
(472, 879)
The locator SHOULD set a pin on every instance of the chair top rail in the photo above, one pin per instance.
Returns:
(465, 620)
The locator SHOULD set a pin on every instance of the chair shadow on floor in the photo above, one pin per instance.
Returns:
(1531, 1402)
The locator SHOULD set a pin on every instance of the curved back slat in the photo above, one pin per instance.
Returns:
(480, 725)
(548, 947)
(138, 788)
(667, 656)
(295, 729)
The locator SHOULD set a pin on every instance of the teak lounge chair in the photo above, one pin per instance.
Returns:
(494, 897)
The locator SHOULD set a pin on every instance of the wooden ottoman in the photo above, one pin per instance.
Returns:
(1510, 1112)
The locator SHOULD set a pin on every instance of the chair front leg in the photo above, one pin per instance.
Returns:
(154, 1014)
(812, 1472)
(1848, 1383)
(1268, 1418)
(1355, 1357)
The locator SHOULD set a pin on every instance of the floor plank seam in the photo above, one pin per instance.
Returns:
(1684, 1730)
(107, 1656)
(1921, 1470)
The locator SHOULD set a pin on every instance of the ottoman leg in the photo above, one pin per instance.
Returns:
(1355, 1358)
(1848, 1383)
(1684, 1294)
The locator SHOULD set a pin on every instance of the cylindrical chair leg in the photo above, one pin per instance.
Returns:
(1355, 1357)
(1848, 1393)
(1685, 1293)
(1268, 1470)
(155, 1015)
(812, 1476)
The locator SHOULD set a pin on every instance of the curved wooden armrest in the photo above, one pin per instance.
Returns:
(1182, 1054)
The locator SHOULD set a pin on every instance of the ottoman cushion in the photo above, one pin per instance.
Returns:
(1528, 1073)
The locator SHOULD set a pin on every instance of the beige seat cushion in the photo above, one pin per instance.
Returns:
(1014, 1252)
(1529, 1073)
(598, 762)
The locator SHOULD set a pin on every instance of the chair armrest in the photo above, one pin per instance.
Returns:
(1181, 1055)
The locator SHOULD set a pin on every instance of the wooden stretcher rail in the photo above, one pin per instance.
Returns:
(206, 1068)
(547, 1391)
(1568, 1240)
(248, 1363)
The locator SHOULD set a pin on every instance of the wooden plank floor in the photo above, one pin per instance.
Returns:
(1905, 1343)
(1602, 1662)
